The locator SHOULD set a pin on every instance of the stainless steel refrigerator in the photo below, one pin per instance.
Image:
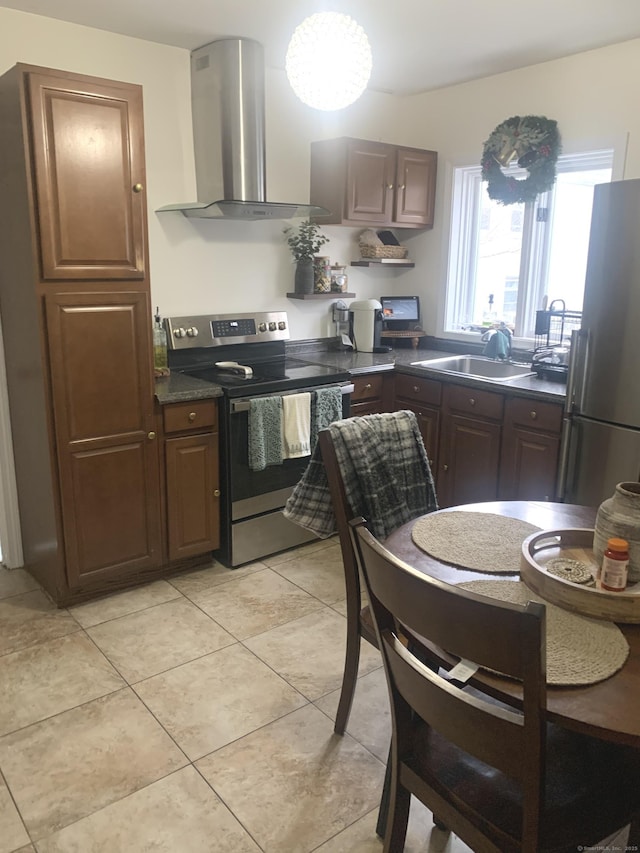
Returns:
(601, 438)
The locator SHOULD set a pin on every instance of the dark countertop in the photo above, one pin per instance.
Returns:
(178, 388)
(401, 361)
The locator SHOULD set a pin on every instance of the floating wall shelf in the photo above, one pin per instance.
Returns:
(333, 295)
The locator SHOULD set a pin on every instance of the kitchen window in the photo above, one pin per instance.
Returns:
(504, 259)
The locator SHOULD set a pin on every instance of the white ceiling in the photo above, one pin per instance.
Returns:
(417, 44)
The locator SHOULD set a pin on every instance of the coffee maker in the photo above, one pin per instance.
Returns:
(341, 319)
(366, 325)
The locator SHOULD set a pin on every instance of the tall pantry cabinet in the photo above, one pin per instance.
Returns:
(74, 303)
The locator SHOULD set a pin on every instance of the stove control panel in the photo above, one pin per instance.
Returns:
(214, 330)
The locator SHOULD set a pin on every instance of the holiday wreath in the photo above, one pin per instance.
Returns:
(535, 141)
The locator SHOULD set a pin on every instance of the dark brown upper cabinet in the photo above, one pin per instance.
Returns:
(88, 159)
(373, 183)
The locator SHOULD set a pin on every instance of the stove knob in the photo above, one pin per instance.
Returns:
(192, 332)
(282, 324)
(179, 333)
(262, 327)
(272, 326)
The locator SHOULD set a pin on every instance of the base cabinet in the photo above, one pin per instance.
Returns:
(530, 450)
(372, 394)
(106, 448)
(423, 397)
(484, 445)
(192, 478)
(469, 454)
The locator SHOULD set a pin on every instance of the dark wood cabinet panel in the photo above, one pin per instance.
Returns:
(369, 185)
(77, 321)
(193, 495)
(530, 450)
(106, 446)
(88, 155)
(529, 466)
(373, 183)
(469, 456)
(422, 396)
(372, 393)
(415, 188)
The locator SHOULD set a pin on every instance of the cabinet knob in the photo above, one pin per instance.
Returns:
(445, 467)
(472, 401)
(192, 416)
(401, 187)
(216, 493)
(137, 188)
(389, 186)
(533, 415)
(367, 387)
(151, 435)
(416, 388)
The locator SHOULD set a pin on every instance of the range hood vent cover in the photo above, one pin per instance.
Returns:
(227, 102)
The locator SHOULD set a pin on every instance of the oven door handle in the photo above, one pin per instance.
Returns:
(245, 405)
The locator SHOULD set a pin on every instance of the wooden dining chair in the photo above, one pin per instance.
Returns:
(359, 620)
(376, 429)
(499, 777)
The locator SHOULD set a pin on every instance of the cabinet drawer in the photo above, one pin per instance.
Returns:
(197, 414)
(534, 414)
(367, 387)
(419, 389)
(471, 401)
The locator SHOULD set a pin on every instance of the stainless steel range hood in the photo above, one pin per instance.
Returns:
(227, 101)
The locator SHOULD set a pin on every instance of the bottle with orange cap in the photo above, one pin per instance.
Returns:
(615, 563)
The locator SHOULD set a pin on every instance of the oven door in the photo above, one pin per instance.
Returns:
(257, 498)
(259, 491)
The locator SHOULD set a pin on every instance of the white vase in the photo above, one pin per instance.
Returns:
(619, 516)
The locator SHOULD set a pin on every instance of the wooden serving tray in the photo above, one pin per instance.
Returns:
(575, 544)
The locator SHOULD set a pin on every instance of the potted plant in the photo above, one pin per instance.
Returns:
(305, 241)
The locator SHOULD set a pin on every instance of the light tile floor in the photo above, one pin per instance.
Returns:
(193, 715)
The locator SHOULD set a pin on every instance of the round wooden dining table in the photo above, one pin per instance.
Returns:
(609, 709)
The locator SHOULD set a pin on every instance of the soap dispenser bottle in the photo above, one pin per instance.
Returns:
(160, 362)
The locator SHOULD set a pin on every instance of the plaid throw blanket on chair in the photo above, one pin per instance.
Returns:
(385, 470)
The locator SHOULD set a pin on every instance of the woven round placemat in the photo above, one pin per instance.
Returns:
(480, 541)
(579, 650)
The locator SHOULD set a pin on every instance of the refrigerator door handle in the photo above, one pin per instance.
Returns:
(576, 378)
(563, 461)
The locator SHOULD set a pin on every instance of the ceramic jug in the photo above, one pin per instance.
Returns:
(619, 516)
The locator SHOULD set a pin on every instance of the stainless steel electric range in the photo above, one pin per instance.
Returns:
(245, 354)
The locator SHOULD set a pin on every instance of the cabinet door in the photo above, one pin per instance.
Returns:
(530, 450)
(193, 494)
(102, 390)
(429, 424)
(415, 183)
(468, 460)
(370, 177)
(88, 153)
(529, 465)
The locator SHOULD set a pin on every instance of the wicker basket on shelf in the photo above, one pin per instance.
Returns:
(383, 251)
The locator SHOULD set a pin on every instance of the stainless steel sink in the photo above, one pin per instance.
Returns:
(477, 366)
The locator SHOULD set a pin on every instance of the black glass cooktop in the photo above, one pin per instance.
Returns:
(270, 377)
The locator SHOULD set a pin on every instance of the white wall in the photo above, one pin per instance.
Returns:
(200, 266)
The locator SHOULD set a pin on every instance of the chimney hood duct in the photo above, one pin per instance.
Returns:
(227, 102)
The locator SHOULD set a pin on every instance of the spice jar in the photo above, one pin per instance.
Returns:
(613, 575)
(338, 278)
